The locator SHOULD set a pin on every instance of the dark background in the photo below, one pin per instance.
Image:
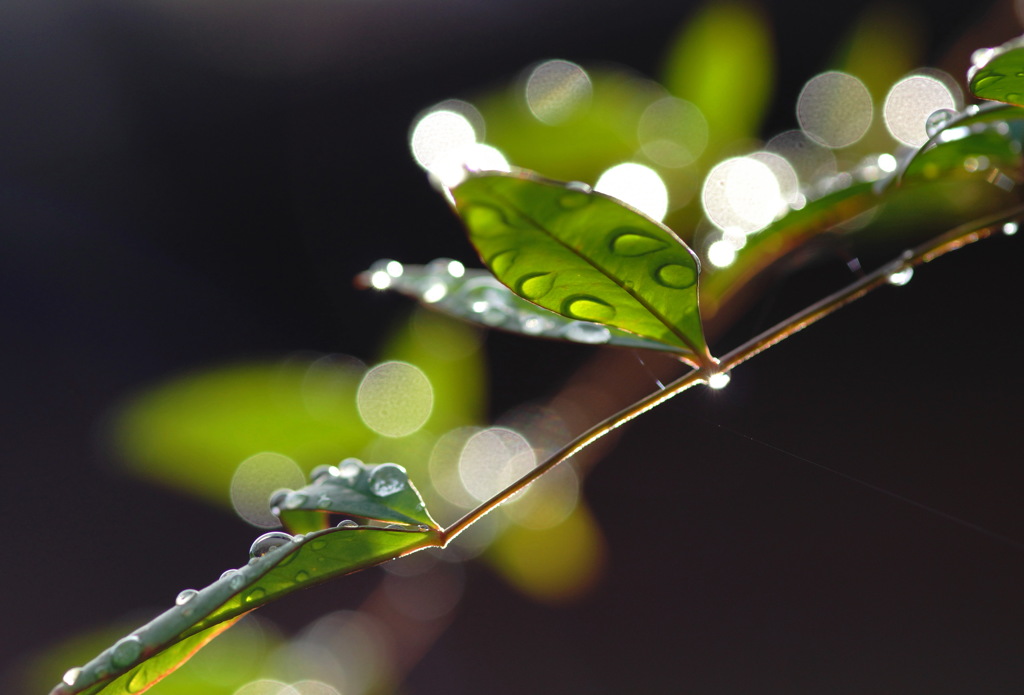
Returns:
(187, 183)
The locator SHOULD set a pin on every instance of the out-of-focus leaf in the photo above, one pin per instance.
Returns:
(551, 564)
(781, 237)
(722, 63)
(381, 492)
(281, 564)
(477, 296)
(585, 256)
(998, 73)
(595, 137)
(192, 431)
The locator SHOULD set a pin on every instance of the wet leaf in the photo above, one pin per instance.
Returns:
(973, 154)
(585, 256)
(282, 565)
(998, 73)
(477, 296)
(381, 492)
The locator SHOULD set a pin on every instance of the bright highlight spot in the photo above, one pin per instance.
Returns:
(444, 141)
(395, 399)
(254, 480)
(834, 109)
(636, 185)
(556, 89)
(910, 103)
(719, 380)
(901, 277)
(721, 253)
(887, 163)
(1010, 228)
(435, 293)
(493, 459)
(742, 193)
(673, 132)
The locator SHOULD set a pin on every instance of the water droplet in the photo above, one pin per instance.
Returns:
(277, 499)
(1012, 97)
(322, 472)
(676, 276)
(235, 578)
(185, 596)
(301, 576)
(937, 121)
(1010, 228)
(583, 332)
(254, 595)
(267, 542)
(531, 324)
(627, 241)
(318, 545)
(502, 261)
(587, 308)
(387, 479)
(294, 500)
(579, 186)
(125, 651)
(485, 221)
(986, 81)
(71, 675)
(719, 380)
(348, 470)
(535, 285)
(423, 527)
(982, 56)
(347, 523)
(901, 277)
(297, 538)
(324, 502)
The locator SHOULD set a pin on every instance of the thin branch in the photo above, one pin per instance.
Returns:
(954, 239)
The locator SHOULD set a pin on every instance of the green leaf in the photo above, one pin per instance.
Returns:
(477, 296)
(281, 564)
(998, 73)
(380, 492)
(585, 256)
(722, 63)
(974, 154)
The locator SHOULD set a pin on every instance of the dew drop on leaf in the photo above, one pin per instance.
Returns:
(676, 276)
(1010, 228)
(235, 578)
(535, 285)
(125, 651)
(485, 220)
(632, 242)
(320, 472)
(937, 121)
(71, 675)
(387, 479)
(185, 596)
(591, 333)
(254, 595)
(579, 186)
(901, 277)
(267, 542)
(349, 468)
(588, 308)
(347, 523)
(301, 576)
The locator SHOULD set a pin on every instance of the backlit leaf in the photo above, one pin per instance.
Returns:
(585, 256)
(477, 296)
(998, 73)
(380, 492)
(287, 564)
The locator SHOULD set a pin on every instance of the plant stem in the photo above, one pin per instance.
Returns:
(954, 239)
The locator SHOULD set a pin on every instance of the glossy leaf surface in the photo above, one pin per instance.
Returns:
(976, 153)
(476, 295)
(585, 256)
(381, 492)
(998, 73)
(281, 564)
